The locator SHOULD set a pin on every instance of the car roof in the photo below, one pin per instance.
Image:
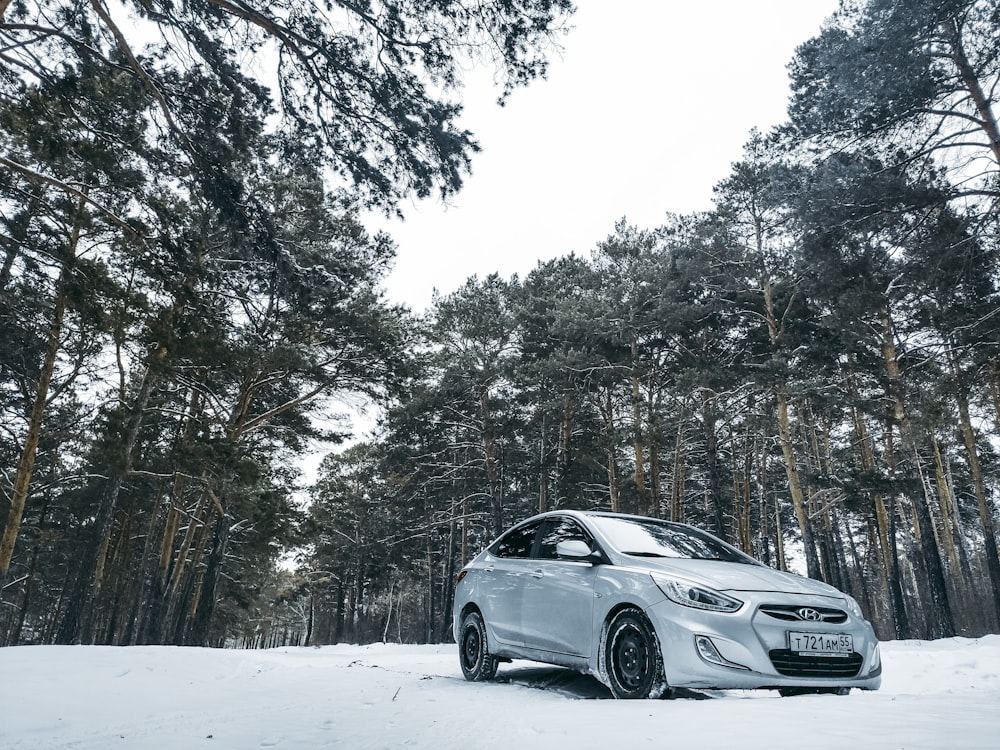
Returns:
(590, 514)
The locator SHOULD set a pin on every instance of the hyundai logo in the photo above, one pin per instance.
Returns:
(809, 614)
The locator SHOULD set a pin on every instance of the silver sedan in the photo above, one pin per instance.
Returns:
(647, 606)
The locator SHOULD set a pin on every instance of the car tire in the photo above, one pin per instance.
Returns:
(632, 659)
(478, 665)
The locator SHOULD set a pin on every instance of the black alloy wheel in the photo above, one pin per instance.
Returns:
(632, 657)
(473, 650)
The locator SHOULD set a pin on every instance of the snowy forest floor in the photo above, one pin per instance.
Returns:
(939, 694)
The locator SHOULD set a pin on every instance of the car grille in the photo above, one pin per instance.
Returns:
(794, 613)
(791, 664)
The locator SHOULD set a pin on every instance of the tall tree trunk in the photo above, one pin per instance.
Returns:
(842, 575)
(993, 387)
(760, 487)
(164, 520)
(154, 611)
(611, 438)
(429, 550)
(985, 512)
(709, 418)
(26, 459)
(311, 618)
(795, 486)
(121, 576)
(176, 573)
(886, 566)
(835, 563)
(490, 458)
(958, 528)
(779, 537)
(29, 584)
(637, 433)
(930, 557)
(465, 530)
(565, 437)
(741, 491)
(448, 580)
(653, 436)
(776, 336)
(860, 585)
(206, 598)
(677, 475)
(338, 620)
(543, 481)
(77, 625)
(143, 601)
(7, 267)
(901, 620)
(947, 502)
(655, 483)
(983, 102)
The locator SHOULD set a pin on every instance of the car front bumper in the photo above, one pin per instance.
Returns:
(750, 649)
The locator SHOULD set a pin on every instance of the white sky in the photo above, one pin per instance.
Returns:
(645, 110)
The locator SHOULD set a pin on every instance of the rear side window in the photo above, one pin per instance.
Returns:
(516, 542)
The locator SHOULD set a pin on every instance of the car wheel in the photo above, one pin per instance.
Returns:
(473, 650)
(632, 658)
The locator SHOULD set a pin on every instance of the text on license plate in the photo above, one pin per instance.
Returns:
(829, 644)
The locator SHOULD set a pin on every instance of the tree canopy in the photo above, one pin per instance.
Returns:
(810, 369)
(915, 80)
(366, 88)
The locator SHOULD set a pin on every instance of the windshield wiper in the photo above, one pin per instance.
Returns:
(645, 554)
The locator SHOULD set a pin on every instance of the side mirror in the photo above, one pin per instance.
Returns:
(574, 549)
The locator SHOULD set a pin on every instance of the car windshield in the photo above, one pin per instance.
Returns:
(640, 537)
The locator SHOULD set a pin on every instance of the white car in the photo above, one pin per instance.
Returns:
(647, 606)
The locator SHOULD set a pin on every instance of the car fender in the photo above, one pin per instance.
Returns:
(618, 588)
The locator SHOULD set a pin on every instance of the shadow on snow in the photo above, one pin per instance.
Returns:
(572, 684)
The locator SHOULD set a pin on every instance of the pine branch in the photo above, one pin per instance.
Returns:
(36, 176)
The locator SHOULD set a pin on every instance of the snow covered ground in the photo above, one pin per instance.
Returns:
(941, 694)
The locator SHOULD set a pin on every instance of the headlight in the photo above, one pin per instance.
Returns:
(693, 595)
(876, 659)
(853, 607)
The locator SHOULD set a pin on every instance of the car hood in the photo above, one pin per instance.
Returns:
(728, 576)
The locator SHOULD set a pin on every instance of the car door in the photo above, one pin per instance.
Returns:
(558, 607)
(505, 570)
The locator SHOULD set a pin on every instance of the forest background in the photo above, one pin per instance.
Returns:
(810, 370)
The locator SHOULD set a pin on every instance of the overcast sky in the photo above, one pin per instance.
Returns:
(646, 108)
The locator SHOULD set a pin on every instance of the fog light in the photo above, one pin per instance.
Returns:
(708, 651)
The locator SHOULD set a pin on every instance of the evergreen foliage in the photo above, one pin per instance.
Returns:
(187, 292)
(811, 370)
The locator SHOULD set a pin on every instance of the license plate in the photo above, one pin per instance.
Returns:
(821, 644)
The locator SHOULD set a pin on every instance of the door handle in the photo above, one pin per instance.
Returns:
(537, 573)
